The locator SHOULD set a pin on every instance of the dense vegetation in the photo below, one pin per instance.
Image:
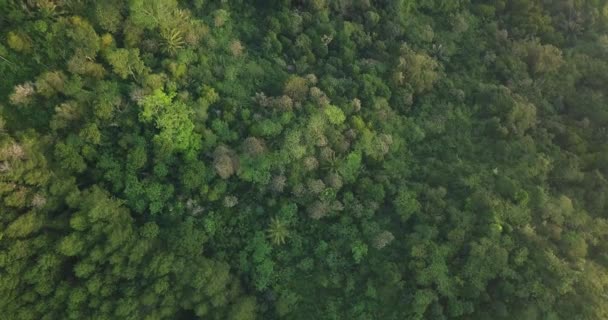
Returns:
(312, 159)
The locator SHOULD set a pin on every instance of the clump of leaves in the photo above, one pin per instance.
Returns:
(173, 40)
(277, 231)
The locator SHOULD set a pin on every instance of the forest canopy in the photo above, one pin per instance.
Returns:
(304, 159)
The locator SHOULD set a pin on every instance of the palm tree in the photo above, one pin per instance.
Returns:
(277, 231)
(173, 40)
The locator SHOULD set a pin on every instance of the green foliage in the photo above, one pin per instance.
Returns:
(417, 70)
(359, 251)
(261, 265)
(406, 204)
(19, 43)
(277, 231)
(126, 62)
(296, 87)
(172, 119)
(350, 168)
(151, 14)
(244, 310)
(108, 15)
(334, 114)
(316, 159)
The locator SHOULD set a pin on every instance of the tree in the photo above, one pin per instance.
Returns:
(334, 115)
(22, 94)
(351, 164)
(108, 15)
(416, 69)
(224, 162)
(540, 58)
(19, 42)
(254, 146)
(51, 83)
(277, 231)
(244, 309)
(126, 62)
(172, 119)
(359, 250)
(150, 15)
(383, 239)
(296, 88)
